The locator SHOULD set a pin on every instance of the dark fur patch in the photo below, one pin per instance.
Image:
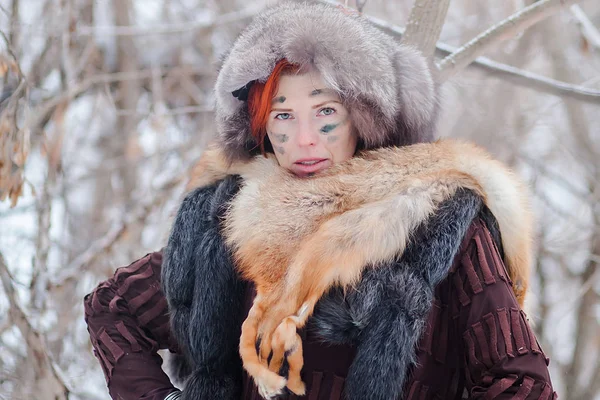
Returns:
(384, 317)
(204, 293)
(178, 368)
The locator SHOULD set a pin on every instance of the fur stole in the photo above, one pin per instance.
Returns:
(387, 310)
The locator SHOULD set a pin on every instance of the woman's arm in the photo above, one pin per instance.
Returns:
(128, 323)
(502, 357)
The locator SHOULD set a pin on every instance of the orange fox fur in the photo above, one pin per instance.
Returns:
(295, 238)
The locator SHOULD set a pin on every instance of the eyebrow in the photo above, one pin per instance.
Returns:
(313, 107)
(325, 102)
(317, 92)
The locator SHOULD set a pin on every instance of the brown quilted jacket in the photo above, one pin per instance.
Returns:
(478, 343)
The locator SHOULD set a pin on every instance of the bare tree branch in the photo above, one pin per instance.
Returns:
(73, 270)
(506, 72)
(168, 28)
(14, 20)
(586, 328)
(42, 244)
(589, 31)
(173, 111)
(48, 381)
(425, 24)
(564, 182)
(595, 382)
(129, 92)
(44, 111)
(505, 29)
(535, 81)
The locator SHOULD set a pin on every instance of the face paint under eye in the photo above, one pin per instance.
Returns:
(279, 149)
(281, 137)
(328, 128)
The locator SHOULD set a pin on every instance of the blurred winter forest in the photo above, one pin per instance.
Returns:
(105, 104)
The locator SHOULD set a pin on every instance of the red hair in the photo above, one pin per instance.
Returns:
(260, 98)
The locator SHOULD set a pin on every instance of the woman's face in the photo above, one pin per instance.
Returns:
(308, 126)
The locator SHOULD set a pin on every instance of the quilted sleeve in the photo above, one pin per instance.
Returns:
(502, 357)
(128, 322)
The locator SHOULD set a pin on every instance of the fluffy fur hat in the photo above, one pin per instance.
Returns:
(387, 87)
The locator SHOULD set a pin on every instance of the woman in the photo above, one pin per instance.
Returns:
(440, 322)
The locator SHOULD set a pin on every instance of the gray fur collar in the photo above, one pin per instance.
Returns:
(387, 86)
(388, 309)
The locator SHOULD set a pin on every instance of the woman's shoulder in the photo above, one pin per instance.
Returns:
(478, 268)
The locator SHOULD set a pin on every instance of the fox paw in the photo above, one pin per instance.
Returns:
(296, 385)
(270, 385)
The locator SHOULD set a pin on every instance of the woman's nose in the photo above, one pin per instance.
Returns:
(307, 135)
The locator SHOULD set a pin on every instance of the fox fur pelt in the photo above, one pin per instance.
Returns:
(297, 238)
(388, 307)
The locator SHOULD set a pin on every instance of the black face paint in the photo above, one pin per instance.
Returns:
(328, 128)
(279, 149)
(279, 99)
(316, 92)
(281, 137)
(331, 139)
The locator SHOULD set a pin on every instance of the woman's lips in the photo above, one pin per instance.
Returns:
(305, 169)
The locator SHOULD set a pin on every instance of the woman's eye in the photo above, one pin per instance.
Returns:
(283, 116)
(327, 111)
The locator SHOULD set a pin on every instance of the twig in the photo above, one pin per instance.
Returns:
(572, 219)
(425, 24)
(505, 29)
(175, 111)
(157, 87)
(580, 193)
(42, 244)
(589, 31)
(360, 5)
(111, 164)
(588, 284)
(12, 54)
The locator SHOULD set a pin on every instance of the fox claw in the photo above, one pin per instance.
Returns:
(269, 390)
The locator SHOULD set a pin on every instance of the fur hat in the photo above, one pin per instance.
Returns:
(387, 86)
